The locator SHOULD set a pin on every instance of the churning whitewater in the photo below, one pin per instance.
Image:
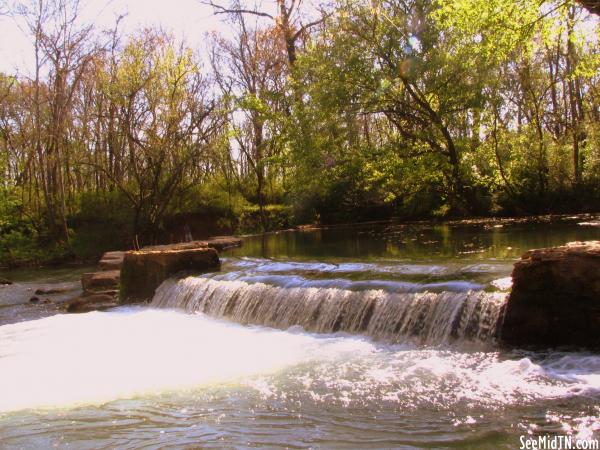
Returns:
(394, 312)
(73, 360)
(97, 357)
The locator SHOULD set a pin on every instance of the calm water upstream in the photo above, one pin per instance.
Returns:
(373, 336)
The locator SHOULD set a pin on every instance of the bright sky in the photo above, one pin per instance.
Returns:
(189, 19)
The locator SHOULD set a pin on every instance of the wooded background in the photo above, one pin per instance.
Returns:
(371, 109)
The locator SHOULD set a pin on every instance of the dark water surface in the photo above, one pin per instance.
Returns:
(502, 239)
(199, 368)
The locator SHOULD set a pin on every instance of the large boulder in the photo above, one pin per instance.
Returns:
(555, 298)
(143, 271)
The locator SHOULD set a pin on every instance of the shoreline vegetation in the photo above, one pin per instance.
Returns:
(350, 112)
(497, 222)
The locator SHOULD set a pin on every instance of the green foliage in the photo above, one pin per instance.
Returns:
(390, 109)
(24, 240)
(277, 217)
(393, 88)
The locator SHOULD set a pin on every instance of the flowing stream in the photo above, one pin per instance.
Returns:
(379, 336)
(383, 311)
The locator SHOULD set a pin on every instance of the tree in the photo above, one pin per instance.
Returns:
(167, 120)
(64, 48)
(287, 21)
(251, 72)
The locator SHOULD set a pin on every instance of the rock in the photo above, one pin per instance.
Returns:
(93, 302)
(112, 292)
(100, 281)
(555, 298)
(4, 281)
(219, 243)
(111, 261)
(37, 300)
(143, 271)
(50, 291)
(308, 227)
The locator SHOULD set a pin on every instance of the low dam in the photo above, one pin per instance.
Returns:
(391, 313)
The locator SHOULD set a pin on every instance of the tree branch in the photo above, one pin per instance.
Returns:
(222, 10)
(303, 28)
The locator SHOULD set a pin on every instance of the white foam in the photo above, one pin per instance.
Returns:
(96, 357)
(504, 284)
(92, 358)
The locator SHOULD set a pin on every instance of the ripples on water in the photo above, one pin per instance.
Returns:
(159, 377)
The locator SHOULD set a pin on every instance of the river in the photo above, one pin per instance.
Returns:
(371, 336)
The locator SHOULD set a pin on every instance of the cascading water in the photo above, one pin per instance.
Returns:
(328, 306)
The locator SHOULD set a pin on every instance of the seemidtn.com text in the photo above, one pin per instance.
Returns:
(558, 442)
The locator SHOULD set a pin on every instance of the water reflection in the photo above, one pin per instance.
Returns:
(418, 242)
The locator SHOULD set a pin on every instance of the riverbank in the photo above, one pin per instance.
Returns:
(86, 254)
(51, 289)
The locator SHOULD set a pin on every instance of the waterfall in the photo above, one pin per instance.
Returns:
(396, 317)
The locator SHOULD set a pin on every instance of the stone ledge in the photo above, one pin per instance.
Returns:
(128, 277)
(93, 302)
(219, 243)
(111, 261)
(555, 298)
(100, 281)
(143, 271)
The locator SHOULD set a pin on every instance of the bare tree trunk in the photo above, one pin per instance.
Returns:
(571, 61)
